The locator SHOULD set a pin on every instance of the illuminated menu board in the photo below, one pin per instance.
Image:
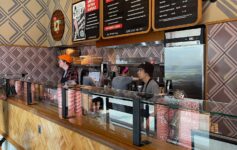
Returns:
(170, 14)
(125, 17)
(86, 20)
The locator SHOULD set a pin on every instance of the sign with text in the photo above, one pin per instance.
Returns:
(125, 17)
(171, 14)
(86, 22)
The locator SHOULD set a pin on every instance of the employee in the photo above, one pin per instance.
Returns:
(123, 80)
(86, 79)
(70, 74)
(145, 73)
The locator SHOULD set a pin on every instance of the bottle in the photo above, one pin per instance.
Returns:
(117, 61)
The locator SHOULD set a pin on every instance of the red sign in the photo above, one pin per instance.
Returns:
(113, 27)
(92, 5)
(108, 1)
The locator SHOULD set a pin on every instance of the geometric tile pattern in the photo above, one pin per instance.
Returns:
(39, 63)
(222, 72)
(22, 22)
(219, 10)
(27, 22)
(134, 52)
(222, 62)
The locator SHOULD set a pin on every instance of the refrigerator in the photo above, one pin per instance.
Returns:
(184, 61)
(184, 67)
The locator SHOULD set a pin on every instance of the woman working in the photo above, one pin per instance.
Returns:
(70, 74)
(145, 73)
(121, 82)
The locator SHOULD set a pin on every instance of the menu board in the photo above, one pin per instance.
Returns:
(86, 22)
(170, 14)
(125, 17)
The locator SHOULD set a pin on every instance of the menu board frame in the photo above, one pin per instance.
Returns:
(126, 34)
(86, 40)
(199, 18)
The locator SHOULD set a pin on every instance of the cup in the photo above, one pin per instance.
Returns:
(139, 88)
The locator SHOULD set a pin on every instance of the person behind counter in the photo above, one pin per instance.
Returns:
(145, 73)
(85, 79)
(70, 74)
(97, 102)
(122, 81)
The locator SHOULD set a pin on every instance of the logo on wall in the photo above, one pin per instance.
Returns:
(57, 25)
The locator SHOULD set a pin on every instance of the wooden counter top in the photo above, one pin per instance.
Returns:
(93, 127)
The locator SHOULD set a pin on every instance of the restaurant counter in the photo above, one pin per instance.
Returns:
(39, 126)
(86, 122)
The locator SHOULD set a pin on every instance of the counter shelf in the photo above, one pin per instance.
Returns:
(201, 111)
(175, 119)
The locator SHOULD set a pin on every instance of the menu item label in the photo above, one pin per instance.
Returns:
(124, 17)
(175, 13)
(86, 20)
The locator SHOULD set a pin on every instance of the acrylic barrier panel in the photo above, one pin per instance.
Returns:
(202, 140)
(73, 103)
(175, 125)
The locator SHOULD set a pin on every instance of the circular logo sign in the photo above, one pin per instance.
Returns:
(57, 25)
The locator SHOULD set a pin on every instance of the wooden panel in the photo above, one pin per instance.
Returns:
(80, 133)
(23, 128)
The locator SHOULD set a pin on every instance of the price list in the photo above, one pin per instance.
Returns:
(123, 17)
(170, 13)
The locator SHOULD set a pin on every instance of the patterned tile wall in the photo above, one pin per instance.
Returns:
(133, 52)
(39, 63)
(222, 72)
(219, 10)
(27, 22)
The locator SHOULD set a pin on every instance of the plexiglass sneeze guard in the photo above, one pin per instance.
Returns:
(145, 119)
(142, 119)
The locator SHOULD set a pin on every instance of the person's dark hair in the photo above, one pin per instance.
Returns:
(84, 72)
(147, 67)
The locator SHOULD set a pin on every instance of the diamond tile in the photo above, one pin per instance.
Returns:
(23, 59)
(16, 67)
(24, 18)
(232, 52)
(30, 67)
(224, 37)
(37, 60)
(43, 54)
(36, 9)
(49, 60)
(11, 31)
(2, 66)
(35, 33)
(43, 66)
(8, 59)
(224, 68)
(232, 83)
(30, 52)
(16, 53)
(37, 73)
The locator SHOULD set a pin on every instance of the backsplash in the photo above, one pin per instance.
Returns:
(110, 54)
(39, 63)
(222, 73)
